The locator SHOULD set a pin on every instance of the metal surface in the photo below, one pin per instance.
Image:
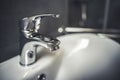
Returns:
(86, 30)
(83, 14)
(28, 58)
(106, 13)
(30, 38)
(31, 25)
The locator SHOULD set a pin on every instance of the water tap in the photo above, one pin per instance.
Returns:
(30, 38)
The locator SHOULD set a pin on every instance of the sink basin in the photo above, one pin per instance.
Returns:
(88, 57)
(80, 57)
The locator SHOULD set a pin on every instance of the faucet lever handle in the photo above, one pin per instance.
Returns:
(31, 25)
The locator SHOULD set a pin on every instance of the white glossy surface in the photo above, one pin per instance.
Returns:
(80, 56)
(87, 55)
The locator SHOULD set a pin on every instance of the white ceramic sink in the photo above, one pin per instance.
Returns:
(80, 57)
(88, 57)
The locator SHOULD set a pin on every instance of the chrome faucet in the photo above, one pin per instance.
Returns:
(30, 38)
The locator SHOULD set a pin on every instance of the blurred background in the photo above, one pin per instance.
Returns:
(96, 14)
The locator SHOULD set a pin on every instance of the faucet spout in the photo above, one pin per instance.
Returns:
(30, 38)
(29, 51)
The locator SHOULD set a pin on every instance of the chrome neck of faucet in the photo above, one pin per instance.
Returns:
(30, 38)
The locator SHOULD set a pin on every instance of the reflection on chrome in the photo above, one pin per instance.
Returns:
(31, 39)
